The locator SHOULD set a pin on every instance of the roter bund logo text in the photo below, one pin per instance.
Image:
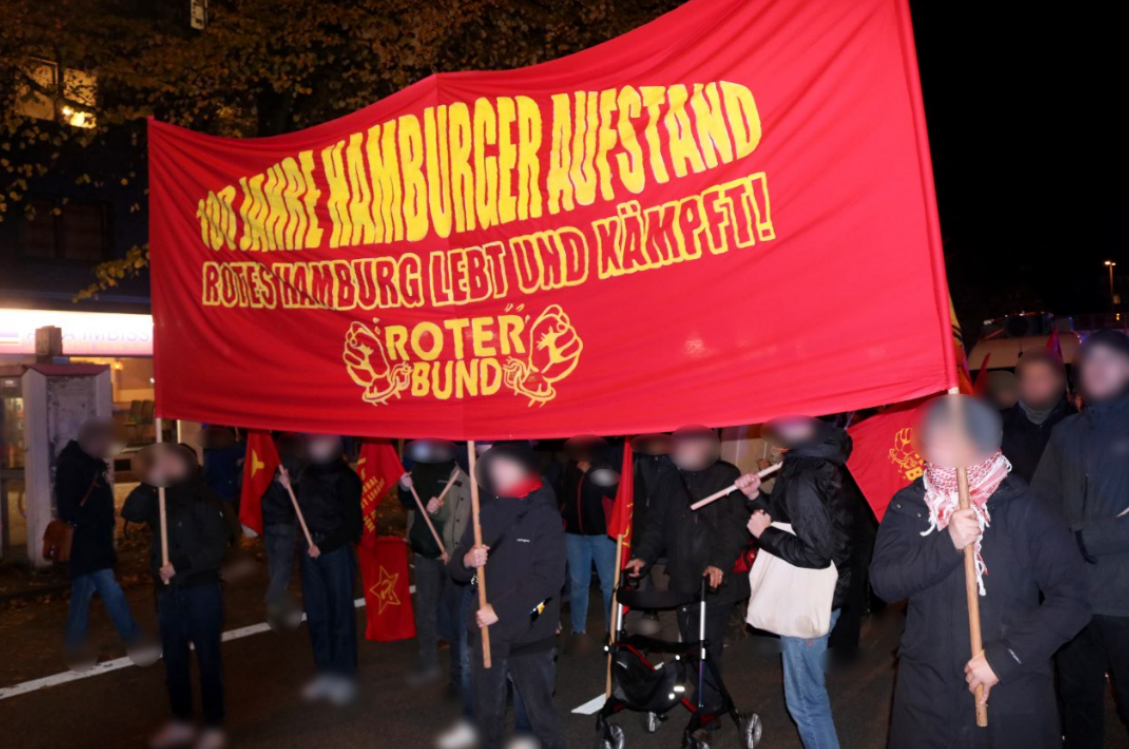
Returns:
(463, 357)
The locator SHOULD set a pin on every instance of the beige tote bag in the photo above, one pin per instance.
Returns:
(790, 601)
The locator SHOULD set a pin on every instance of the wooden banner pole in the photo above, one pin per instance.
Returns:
(474, 509)
(730, 489)
(614, 634)
(297, 509)
(158, 425)
(427, 519)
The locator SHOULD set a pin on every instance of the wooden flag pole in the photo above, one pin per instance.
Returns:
(427, 519)
(971, 589)
(474, 510)
(732, 488)
(297, 509)
(614, 634)
(450, 483)
(162, 508)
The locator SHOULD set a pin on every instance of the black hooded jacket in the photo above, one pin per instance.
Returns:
(809, 494)
(525, 570)
(198, 531)
(84, 498)
(1024, 440)
(1085, 471)
(329, 495)
(1028, 552)
(584, 505)
(691, 541)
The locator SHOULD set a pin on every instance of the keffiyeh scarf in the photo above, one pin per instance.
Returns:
(943, 498)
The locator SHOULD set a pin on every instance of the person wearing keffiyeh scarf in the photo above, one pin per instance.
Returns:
(1033, 598)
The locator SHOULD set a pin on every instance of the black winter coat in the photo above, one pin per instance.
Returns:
(525, 570)
(1028, 550)
(1085, 471)
(330, 498)
(691, 541)
(84, 498)
(278, 508)
(1024, 440)
(809, 494)
(198, 530)
(584, 505)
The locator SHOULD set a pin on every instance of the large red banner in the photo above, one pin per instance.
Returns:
(721, 217)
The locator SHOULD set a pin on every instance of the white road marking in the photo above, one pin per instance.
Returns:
(591, 707)
(119, 663)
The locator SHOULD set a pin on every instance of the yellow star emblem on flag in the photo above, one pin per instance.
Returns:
(256, 464)
(385, 590)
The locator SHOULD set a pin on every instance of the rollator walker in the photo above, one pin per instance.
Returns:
(655, 690)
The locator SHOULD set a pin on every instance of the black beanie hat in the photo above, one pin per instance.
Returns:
(1112, 339)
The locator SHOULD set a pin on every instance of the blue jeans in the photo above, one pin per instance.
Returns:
(582, 552)
(280, 540)
(327, 590)
(113, 598)
(805, 689)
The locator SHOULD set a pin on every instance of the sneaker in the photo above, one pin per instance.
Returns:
(144, 651)
(460, 736)
(342, 691)
(523, 742)
(175, 734)
(212, 738)
(318, 689)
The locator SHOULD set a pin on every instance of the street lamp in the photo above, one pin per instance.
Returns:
(1112, 297)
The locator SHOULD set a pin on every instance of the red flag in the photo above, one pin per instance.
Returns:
(259, 467)
(964, 376)
(379, 468)
(981, 386)
(884, 459)
(622, 510)
(388, 599)
(1054, 344)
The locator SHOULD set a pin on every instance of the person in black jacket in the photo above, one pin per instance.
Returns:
(809, 495)
(84, 498)
(523, 555)
(329, 496)
(1085, 471)
(697, 543)
(1042, 405)
(1031, 600)
(280, 526)
(585, 506)
(189, 598)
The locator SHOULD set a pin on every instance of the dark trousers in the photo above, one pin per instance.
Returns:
(1081, 666)
(280, 540)
(717, 619)
(430, 574)
(533, 676)
(192, 615)
(327, 590)
(459, 598)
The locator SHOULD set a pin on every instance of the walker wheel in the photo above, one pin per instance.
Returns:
(750, 730)
(652, 722)
(613, 739)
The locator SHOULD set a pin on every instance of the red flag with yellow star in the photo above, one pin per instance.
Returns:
(259, 467)
(379, 468)
(388, 599)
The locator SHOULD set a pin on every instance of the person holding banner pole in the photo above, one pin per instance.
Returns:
(1028, 586)
(328, 501)
(520, 544)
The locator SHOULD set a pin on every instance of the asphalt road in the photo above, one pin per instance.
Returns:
(264, 673)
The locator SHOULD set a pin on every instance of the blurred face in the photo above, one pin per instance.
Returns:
(169, 468)
(1040, 385)
(323, 448)
(795, 431)
(97, 439)
(694, 453)
(1105, 373)
(506, 474)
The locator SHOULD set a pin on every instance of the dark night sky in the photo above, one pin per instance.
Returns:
(1023, 104)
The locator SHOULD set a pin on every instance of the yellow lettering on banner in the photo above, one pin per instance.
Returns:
(384, 173)
(583, 172)
(438, 170)
(211, 284)
(458, 328)
(322, 284)
(653, 97)
(485, 167)
(395, 340)
(510, 330)
(744, 120)
(313, 194)
(630, 162)
(606, 141)
(334, 167)
(507, 160)
(410, 271)
(295, 237)
(466, 378)
(430, 330)
(274, 226)
(441, 295)
(490, 368)
(419, 378)
(608, 252)
(481, 337)
(360, 194)
(251, 212)
(529, 162)
(683, 146)
(559, 184)
(462, 176)
(710, 118)
(415, 186)
(496, 262)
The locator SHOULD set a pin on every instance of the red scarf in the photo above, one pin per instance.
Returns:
(524, 488)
